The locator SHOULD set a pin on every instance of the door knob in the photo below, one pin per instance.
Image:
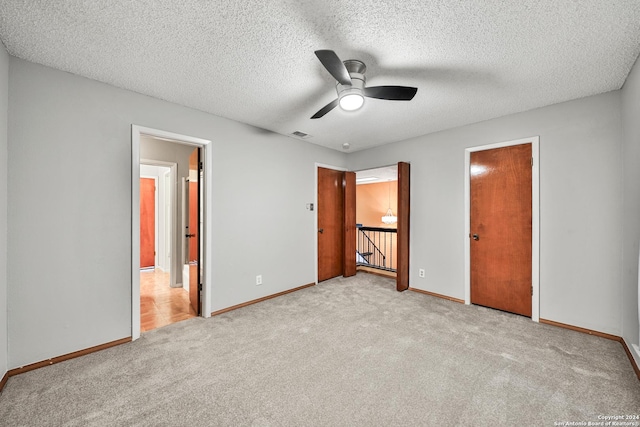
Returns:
(320, 230)
(476, 237)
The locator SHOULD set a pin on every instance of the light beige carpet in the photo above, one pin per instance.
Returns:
(348, 352)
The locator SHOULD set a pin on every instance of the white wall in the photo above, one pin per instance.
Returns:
(580, 198)
(69, 277)
(4, 98)
(631, 156)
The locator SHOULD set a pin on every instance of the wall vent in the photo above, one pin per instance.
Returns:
(301, 134)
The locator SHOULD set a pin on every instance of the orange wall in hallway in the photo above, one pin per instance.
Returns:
(372, 202)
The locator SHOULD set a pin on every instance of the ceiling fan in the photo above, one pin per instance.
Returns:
(351, 84)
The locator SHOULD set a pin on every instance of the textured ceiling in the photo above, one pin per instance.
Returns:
(372, 176)
(253, 61)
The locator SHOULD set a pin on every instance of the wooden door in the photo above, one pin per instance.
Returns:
(193, 231)
(330, 223)
(501, 204)
(402, 272)
(147, 222)
(349, 224)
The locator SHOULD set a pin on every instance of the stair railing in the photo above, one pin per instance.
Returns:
(375, 247)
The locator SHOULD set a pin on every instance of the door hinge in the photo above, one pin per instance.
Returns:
(200, 287)
(200, 165)
(531, 290)
(532, 162)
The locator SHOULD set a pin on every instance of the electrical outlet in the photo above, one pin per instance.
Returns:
(259, 279)
(421, 273)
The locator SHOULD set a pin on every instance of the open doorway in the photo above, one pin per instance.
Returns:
(166, 279)
(376, 220)
(383, 244)
(349, 232)
(163, 300)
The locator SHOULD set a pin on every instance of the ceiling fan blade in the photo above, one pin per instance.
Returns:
(334, 66)
(392, 93)
(324, 110)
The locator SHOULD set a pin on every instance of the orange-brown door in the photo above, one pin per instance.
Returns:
(193, 231)
(349, 224)
(330, 223)
(147, 222)
(500, 186)
(404, 182)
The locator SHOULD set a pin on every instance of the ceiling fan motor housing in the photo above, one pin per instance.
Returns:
(355, 66)
(357, 84)
(356, 71)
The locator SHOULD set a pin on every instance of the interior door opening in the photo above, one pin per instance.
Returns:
(338, 231)
(163, 300)
(377, 220)
(173, 151)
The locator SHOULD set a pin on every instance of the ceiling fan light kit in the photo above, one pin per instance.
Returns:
(351, 97)
(351, 84)
(351, 101)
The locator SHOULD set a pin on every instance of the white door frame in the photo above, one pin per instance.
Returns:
(315, 210)
(207, 161)
(173, 173)
(535, 219)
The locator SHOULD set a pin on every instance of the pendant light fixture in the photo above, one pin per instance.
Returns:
(389, 217)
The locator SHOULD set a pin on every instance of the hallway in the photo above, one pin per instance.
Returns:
(161, 305)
